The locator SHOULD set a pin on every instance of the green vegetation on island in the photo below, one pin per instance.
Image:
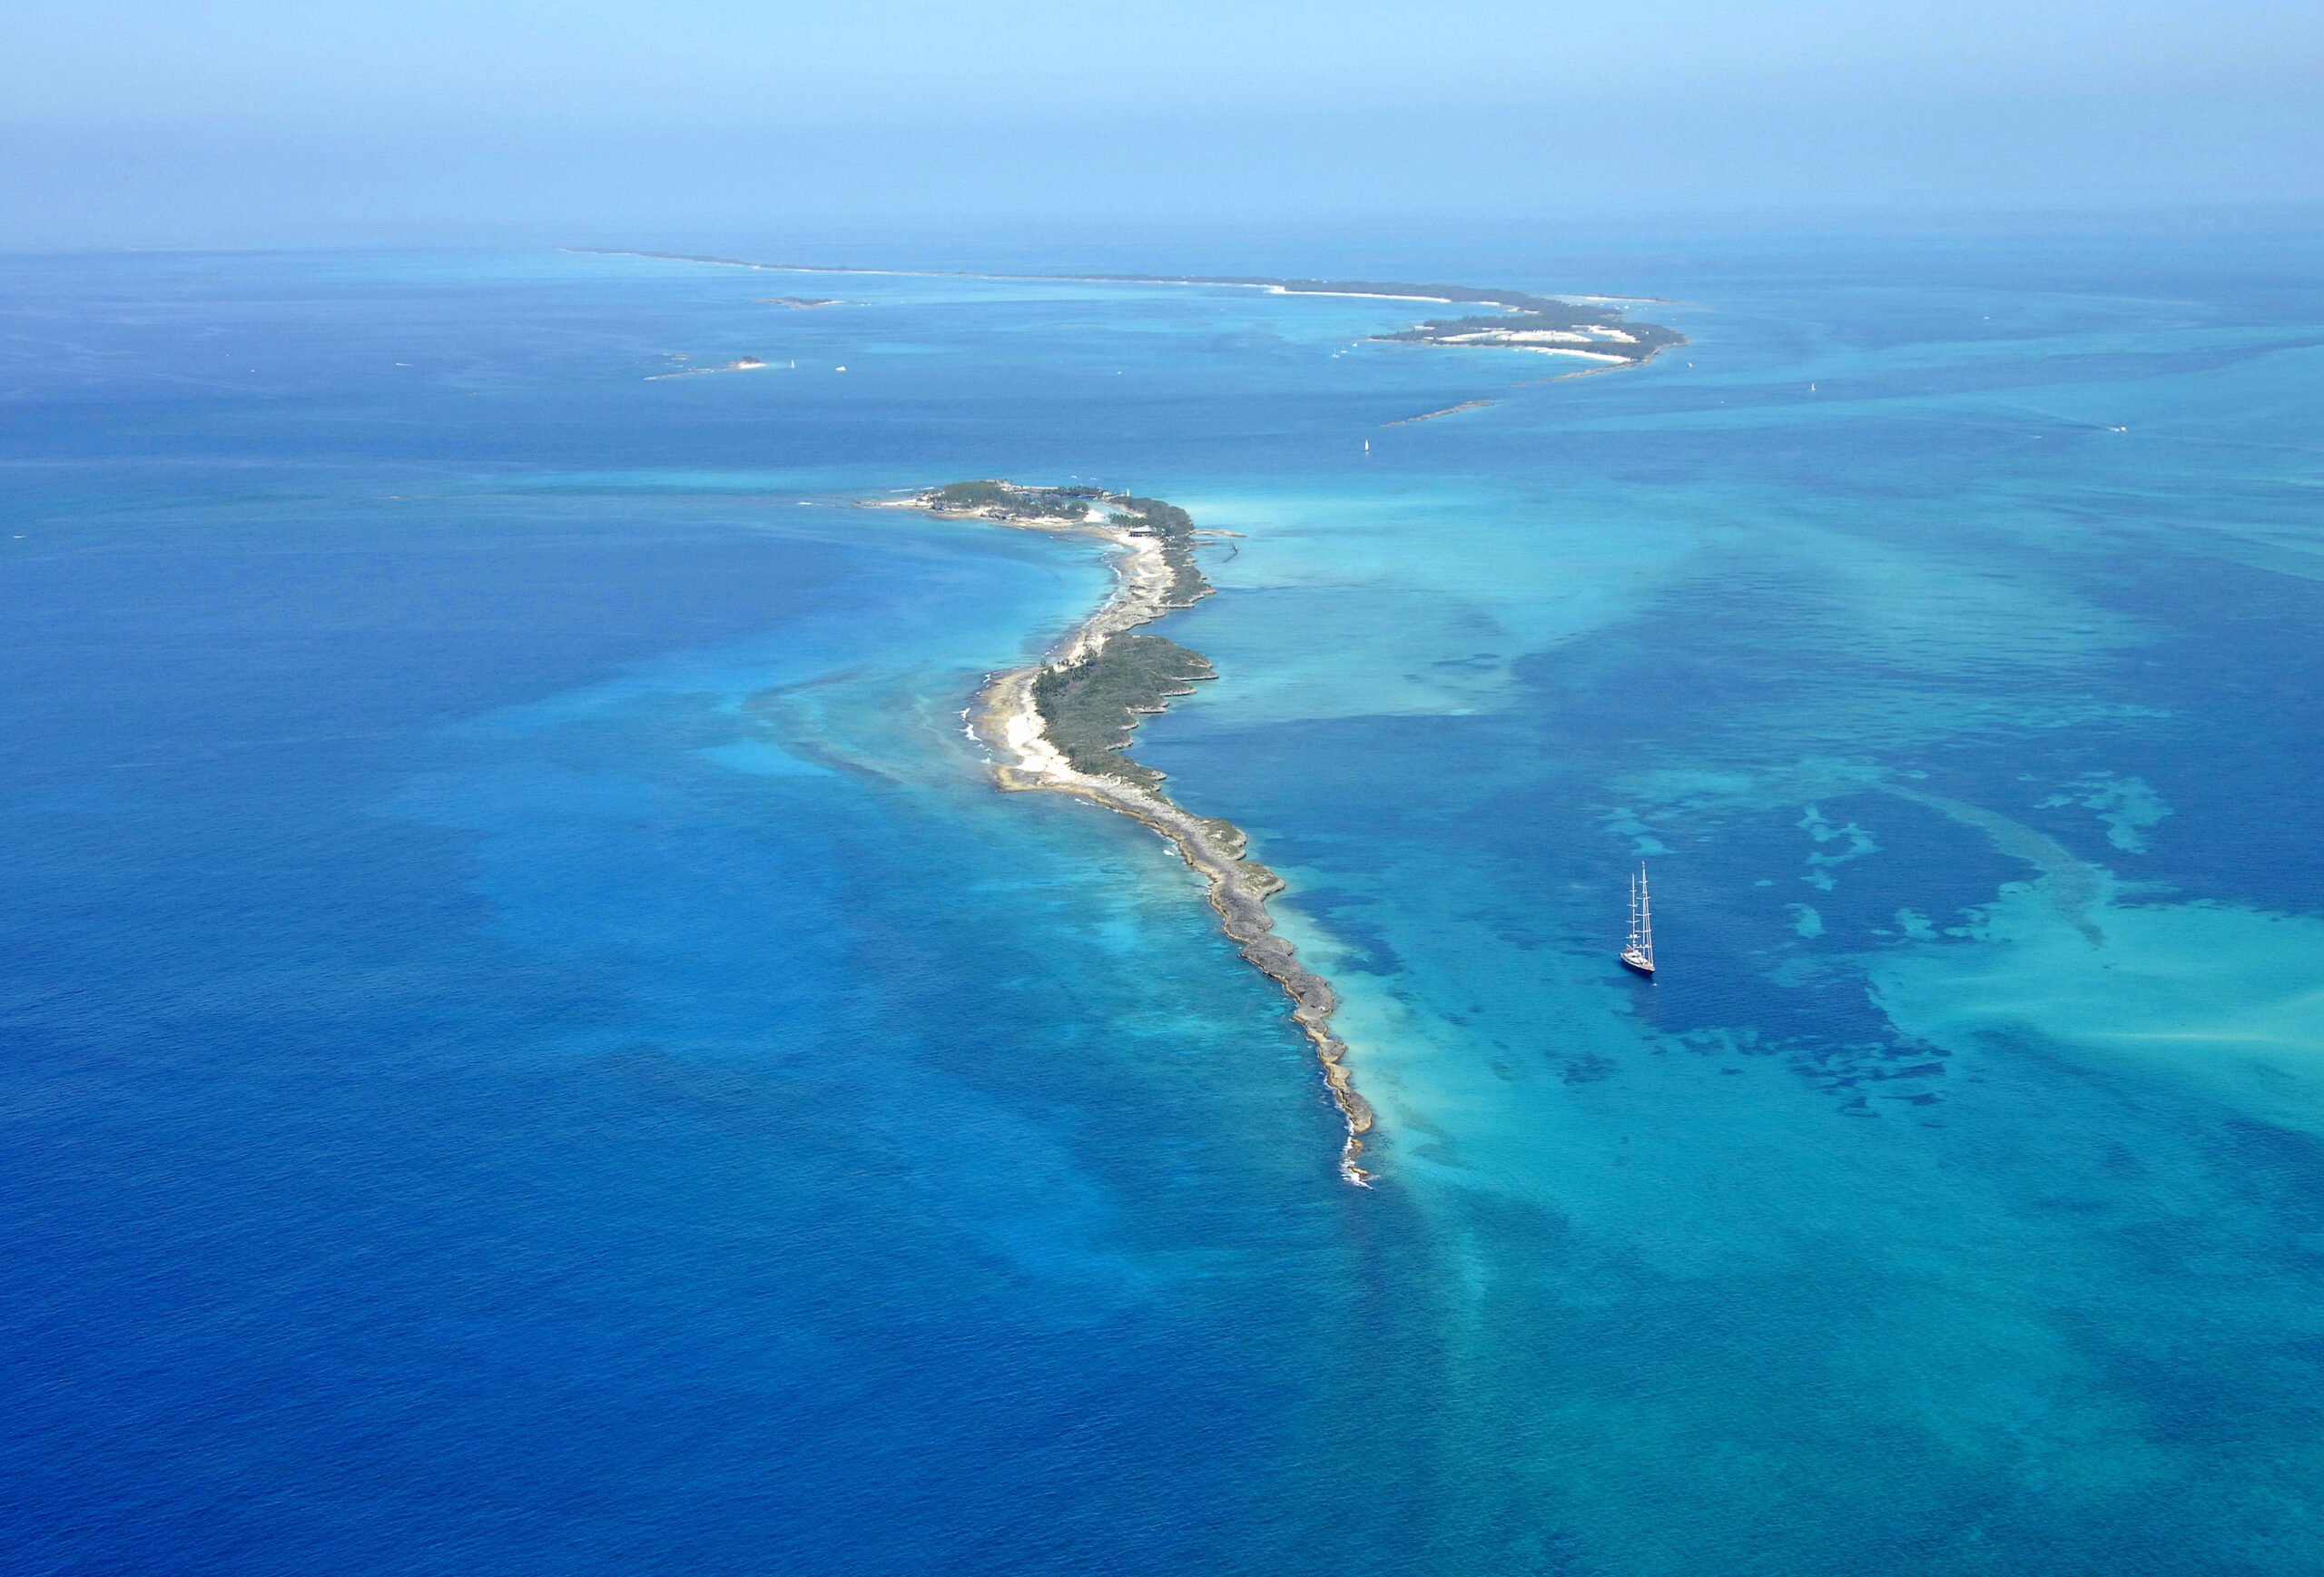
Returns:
(993, 499)
(1174, 529)
(1090, 707)
(997, 500)
(1555, 325)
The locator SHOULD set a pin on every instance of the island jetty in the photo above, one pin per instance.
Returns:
(1064, 725)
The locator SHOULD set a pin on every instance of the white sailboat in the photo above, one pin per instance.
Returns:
(1637, 953)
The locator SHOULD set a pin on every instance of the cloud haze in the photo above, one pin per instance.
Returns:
(144, 123)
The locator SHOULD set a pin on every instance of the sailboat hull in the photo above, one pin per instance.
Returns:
(1634, 960)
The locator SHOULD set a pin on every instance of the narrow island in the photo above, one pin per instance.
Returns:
(1064, 725)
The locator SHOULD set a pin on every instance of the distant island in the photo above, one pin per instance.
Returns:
(1527, 322)
(1600, 333)
(1065, 725)
(1591, 330)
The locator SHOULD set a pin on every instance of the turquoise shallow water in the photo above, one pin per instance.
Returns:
(538, 1049)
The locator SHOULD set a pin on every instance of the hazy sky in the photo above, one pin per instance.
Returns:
(128, 121)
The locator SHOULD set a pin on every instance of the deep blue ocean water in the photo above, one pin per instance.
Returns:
(532, 1046)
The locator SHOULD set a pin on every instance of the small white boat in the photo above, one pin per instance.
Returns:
(1639, 952)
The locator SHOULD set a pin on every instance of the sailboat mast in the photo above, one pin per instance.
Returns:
(1645, 915)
